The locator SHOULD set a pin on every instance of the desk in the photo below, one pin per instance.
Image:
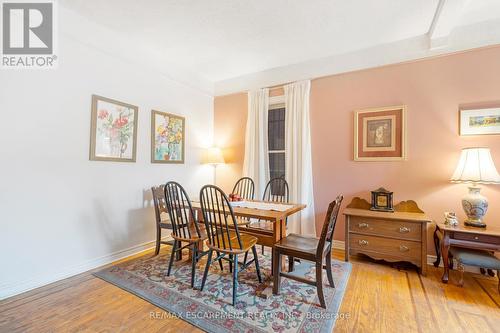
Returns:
(463, 236)
(397, 236)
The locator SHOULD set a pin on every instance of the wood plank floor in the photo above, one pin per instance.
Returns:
(379, 298)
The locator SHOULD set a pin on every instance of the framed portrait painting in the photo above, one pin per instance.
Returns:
(113, 130)
(480, 121)
(380, 134)
(167, 137)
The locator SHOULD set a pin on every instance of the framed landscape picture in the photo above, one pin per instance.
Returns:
(167, 137)
(380, 134)
(113, 130)
(480, 121)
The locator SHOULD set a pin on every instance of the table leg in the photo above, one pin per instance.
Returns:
(445, 246)
(437, 248)
(346, 239)
(282, 235)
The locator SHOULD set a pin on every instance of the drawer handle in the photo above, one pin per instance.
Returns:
(404, 230)
(403, 248)
(476, 237)
(363, 225)
(363, 242)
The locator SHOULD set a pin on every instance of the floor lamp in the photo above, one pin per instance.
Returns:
(214, 157)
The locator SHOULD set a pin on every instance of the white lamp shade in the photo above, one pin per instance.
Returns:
(476, 166)
(214, 156)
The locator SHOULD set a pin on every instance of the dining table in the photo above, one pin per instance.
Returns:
(274, 212)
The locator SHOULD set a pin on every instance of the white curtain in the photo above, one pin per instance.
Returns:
(298, 166)
(256, 162)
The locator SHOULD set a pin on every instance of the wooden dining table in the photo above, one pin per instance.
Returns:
(278, 218)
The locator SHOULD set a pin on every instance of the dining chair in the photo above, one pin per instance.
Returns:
(185, 228)
(224, 237)
(245, 188)
(162, 222)
(311, 249)
(276, 190)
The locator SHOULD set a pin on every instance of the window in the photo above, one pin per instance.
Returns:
(276, 141)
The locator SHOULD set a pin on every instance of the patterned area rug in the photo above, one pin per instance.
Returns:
(296, 309)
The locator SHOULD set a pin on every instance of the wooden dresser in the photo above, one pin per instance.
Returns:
(397, 236)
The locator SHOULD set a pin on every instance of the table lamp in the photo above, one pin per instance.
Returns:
(214, 157)
(475, 167)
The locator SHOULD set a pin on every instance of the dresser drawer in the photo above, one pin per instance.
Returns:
(388, 228)
(403, 249)
(476, 238)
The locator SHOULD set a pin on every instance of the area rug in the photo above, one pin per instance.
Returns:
(296, 309)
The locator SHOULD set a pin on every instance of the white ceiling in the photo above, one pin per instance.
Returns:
(221, 40)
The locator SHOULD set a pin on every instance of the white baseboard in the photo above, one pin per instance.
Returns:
(8, 290)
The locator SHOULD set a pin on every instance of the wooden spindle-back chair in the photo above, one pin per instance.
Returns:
(309, 248)
(161, 213)
(224, 237)
(185, 227)
(245, 188)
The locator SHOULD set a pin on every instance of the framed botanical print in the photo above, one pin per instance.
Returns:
(380, 134)
(167, 137)
(480, 121)
(113, 134)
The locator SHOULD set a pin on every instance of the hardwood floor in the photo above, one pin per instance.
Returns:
(378, 298)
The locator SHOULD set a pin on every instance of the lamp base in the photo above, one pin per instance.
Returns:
(477, 224)
(475, 206)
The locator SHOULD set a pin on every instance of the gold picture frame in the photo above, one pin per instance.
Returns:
(113, 130)
(168, 137)
(380, 134)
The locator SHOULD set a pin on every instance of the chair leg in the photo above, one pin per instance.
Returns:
(329, 269)
(461, 269)
(179, 253)
(276, 272)
(158, 238)
(220, 262)
(257, 267)
(319, 284)
(245, 258)
(230, 263)
(235, 277)
(205, 273)
(498, 276)
(172, 255)
(194, 252)
(262, 248)
(291, 262)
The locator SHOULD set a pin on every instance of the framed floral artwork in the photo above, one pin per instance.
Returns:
(380, 134)
(167, 137)
(113, 130)
(480, 121)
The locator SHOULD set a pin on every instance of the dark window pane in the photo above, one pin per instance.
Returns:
(277, 165)
(276, 129)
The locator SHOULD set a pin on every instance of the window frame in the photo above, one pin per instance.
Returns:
(276, 102)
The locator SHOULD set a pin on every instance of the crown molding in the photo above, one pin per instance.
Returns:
(461, 39)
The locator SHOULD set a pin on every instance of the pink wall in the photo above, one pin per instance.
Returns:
(432, 90)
